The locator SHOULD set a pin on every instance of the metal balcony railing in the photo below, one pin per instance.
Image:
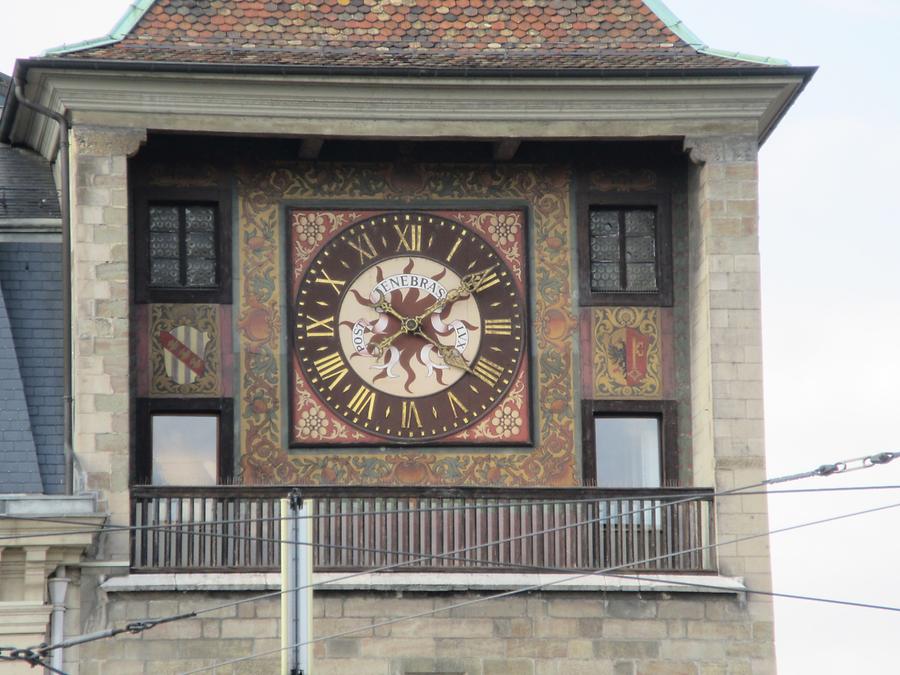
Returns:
(236, 529)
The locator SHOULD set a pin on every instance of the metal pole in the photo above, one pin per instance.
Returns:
(296, 572)
(57, 592)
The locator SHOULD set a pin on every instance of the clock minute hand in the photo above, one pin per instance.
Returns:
(472, 281)
(450, 354)
(452, 296)
(383, 305)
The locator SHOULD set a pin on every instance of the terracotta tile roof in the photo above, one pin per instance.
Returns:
(433, 34)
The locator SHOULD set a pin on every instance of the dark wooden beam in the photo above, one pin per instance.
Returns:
(310, 148)
(506, 150)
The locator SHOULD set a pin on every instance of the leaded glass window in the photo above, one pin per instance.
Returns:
(183, 246)
(623, 250)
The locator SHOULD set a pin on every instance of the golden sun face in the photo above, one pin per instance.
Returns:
(410, 365)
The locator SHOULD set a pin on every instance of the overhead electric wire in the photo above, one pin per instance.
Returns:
(531, 588)
(140, 626)
(185, 528)
(753, 591)
(684, 494)
(188, 527)
(843, 466)
(824, 470)
(29, 657)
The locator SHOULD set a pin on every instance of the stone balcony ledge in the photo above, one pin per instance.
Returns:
(428, 582)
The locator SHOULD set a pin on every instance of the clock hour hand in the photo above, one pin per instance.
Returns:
(381, 346)
(468, 285)
(450, 354)
(383, 305)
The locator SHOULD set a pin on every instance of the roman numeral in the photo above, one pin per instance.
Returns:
(497, 327)
(364, 246)
(331, 368)
(334, 283)
(410, 415)
(320, 327)
(363, 399)
(489, 280)
(410, 237)
(488, 371)
(456, 403)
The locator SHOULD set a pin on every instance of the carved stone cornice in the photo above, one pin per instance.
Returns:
(107, 141)
(730, 148)
(390, 107)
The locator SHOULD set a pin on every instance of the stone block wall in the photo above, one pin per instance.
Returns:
(550, 633)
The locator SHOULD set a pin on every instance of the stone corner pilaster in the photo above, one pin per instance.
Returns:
(101, 316)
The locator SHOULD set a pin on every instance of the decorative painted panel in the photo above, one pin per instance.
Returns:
(263, 195)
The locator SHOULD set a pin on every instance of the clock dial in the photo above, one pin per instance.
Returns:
(409, 326)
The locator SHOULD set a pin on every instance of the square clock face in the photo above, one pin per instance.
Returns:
(408, 327)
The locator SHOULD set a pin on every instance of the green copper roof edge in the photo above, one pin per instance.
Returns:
(135, 12)
(677, 26)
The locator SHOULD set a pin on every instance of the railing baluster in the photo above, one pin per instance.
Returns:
(413, 519)
(404, 505)
(637, 526)
(556, 536)
(443, 541)
(140, 559)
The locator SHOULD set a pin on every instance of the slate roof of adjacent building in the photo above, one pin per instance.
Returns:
(19, 472)
(532, 35)
(27, 189)
(31, 439)
(31, 290)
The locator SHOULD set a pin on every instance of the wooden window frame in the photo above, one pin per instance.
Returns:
(661, 202)
(665, 411)
(220, 200)
(223, 408)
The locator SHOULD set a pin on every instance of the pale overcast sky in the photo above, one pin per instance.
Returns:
(831, 296)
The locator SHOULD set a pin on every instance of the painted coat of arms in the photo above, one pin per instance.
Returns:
(184, 350)
(626, 352)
